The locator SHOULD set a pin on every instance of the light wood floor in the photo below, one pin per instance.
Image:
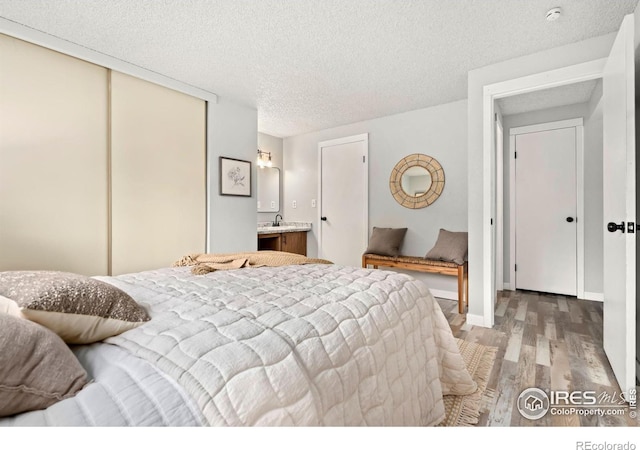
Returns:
(546, 341)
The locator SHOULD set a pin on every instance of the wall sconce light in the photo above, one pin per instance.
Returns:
(264, 159)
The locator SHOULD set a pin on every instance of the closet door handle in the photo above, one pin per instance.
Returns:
(613, 227)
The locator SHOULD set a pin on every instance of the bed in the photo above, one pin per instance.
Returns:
(302, 345)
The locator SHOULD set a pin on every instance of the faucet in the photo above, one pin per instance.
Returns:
(276, 223)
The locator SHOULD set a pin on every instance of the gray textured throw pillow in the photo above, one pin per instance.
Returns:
(451, 246)
(79, 309)
(37, 369)
(386, 241)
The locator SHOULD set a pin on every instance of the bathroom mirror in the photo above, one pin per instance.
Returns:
(416, 181)
(268, 189)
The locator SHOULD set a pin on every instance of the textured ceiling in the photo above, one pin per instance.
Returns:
(548, 98)
(314, 64)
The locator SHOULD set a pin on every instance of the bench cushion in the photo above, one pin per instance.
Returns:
(411, 259)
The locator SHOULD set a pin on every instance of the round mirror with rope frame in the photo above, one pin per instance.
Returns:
(416, 181)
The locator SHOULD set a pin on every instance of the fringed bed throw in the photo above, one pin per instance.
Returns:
(209, 262)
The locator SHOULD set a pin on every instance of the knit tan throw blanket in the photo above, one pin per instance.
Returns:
(210, 262)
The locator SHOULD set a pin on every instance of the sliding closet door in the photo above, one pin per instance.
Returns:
(53, 161)
(158, 175)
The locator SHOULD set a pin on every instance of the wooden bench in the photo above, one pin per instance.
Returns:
(429, 266)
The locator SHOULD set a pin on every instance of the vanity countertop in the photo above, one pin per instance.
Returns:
(284, 227)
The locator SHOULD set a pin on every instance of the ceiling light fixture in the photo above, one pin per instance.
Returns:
(553, 14)
(264, 159)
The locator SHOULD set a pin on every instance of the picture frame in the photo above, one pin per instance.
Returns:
(235, 177)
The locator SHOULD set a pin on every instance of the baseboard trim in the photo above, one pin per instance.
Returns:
(506, 287)
(474, 319)
(594, 296)
(448, 295)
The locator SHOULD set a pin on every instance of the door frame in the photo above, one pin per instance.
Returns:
(578, 124)
(589, 70)
(365, 186)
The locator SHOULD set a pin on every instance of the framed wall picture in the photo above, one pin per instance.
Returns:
(235, 177)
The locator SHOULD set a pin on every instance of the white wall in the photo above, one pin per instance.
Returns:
(499, 186)
(232, 131)
(478, 186)
(439, 131)
(268, 143)
(593, 195)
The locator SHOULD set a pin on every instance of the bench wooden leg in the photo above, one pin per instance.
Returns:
(461, 289)
(466, 286)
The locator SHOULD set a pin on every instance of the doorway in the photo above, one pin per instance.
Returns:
(546, 204)
(344, 199)
(619, 289)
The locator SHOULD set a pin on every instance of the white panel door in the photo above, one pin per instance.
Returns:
(546, 234)
(344, 197)
(619, 207)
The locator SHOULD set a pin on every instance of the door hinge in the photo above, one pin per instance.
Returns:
(363, 158)
(515, 267)
(496, 117)
(631, 227)
(491, 221)
(515, 155)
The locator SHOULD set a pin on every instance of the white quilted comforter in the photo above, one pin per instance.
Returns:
(299, 345)
(125, 391)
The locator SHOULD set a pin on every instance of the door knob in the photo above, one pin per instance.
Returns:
(323, 219)
(613, 227)
(569, 219)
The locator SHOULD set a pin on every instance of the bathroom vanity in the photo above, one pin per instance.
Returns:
(287, 237)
